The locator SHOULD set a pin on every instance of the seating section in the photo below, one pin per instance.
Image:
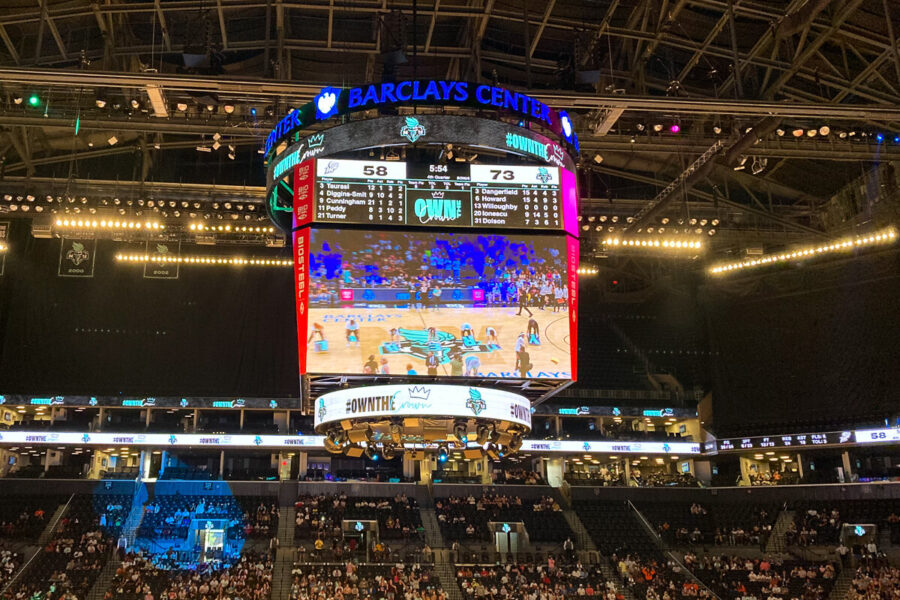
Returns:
(817, 522)
(872, 582)
(467, 518)
(137, 576)
(170, 516)
(321, 517)
(10, 561)
(25, 517)
(733, 578)
(121, 473)
(605, 478)
(654, 578)
(72, 560)
(187, 473)
(682, 523)
(530, 580)
(614, 528)
(352, 581)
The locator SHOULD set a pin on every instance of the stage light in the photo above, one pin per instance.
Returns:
(824, 130)
(182, 106)
(885, 236)
(879, 137)
(657, 127)
(897, 139)
(18, 100)
(229, 109)
(779, 132)
(482, 432)
(717, 130)
(797, 133)
(389, 451)
(33, 100)
(205, 260)
(113, 140)
(253, 111)
(460, 431)
(135, 103)
(100, 102)
(371, 452)
(675, 128)
(812, 133)
(640, 126)
(598, 158)
(633, 140)
(442, 455)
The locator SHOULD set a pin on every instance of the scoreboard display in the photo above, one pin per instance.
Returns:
(437, 195)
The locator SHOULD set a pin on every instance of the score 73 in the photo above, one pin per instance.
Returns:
(507, 174)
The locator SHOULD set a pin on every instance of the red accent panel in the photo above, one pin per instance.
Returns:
(304, 192)
(301, 287)
(572, 253)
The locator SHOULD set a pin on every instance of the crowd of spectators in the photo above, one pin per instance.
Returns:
(349, 581)
(22, 517)
(652, 578)
(145, 578)
(170, 516)
(320, 516)
(769, 478)
(10, 561)
(875, 583)
(467, 517)
(814, 526)
(534, 582)
(734, 525)
(660, 478)
(518, 476)
(734, 577)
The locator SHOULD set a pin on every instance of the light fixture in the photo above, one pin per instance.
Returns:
(824, 130)
(812, 132)
(675, 128)
(798, 132)
(779, 132)
(717, 130)
(598, 158)
(100, 102)
(442, 454)
(113, 140)
(657, 127)
(884, 236)
(229, 108)
(182, 106)
(236, 261)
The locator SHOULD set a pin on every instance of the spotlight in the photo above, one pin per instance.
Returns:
(797, 133)
(657, 127)
(598, 158)
(210, 107)
(33, 100)
(812, 133)
(18, 100)
(779, 132)
(879, 137)
(515, 443)
(389, 451)
(101, 103)
(253, 112)
(675, 128)
(229, 108)
(182, 106)
(460, 431)
(113, 140)
(640, 126)
(371, 452)
(135, 104)
(717, 130)
(482, 434)
(442, 454)
(824, 130)
(633, 140)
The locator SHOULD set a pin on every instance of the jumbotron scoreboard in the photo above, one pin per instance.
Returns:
(437, 195)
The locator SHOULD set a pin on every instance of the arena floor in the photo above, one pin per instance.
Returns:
(550, 359)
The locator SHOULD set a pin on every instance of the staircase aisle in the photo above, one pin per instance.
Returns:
(446, 573)
(104, 580)
(842, 584)
(582, 540)
(281, 573)
(776, 541)
(433, 536)
(287, 526)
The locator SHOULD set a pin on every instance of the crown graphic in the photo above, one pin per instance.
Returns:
(419, 392)
(316, 140)
(437, 194)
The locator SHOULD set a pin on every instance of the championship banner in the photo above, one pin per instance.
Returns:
(160, 269)
(4, 235)
(423, 401)
(76, 257)
(301, 288)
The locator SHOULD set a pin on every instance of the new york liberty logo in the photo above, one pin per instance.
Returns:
(543, 175)
(322, 409)
(413, 130)
(475, 402)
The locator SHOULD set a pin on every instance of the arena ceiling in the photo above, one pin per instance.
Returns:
(737, 76)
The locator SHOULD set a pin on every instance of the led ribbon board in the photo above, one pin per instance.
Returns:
(422, 401)
(333, 102)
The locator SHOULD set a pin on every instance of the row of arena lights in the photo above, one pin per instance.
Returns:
(650, 243)
(885, 236)
(204, 260)
(109, 224)
(230, 229)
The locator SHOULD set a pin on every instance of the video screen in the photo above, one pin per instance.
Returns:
(445, 304)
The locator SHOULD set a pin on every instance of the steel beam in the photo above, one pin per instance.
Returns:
(540, 31)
